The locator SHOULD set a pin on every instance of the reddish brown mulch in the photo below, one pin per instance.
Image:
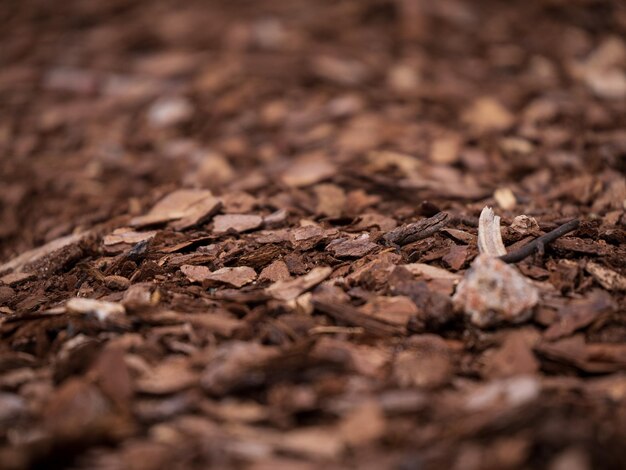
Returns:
(231, 233)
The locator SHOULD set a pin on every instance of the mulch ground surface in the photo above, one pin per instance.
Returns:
(244, 234)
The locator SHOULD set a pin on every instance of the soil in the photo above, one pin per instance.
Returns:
(232, 232)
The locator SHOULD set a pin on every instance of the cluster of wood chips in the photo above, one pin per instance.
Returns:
(245, 234)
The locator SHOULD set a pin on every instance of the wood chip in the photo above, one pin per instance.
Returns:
(126, 235)
(290, 289)
(166, 378)
(505, 198)
(78, 410)
(232, 367)
(195, 273)
(492, 292)
(363, 425)
(237, 222)
(189, 206)
(220, 323)
(426, 363)
(313, 442)
(101, 309)
(460, 236)
(356, 248)
(431, 272)
(378, 221)
(514, 357)
(524, 225)
(606, 277)
(410, 233)
(236, 277)
(457, 256)
(15, 278)
(308, 170)
(487, 115)
(489, 235)
(276, 271)
(348, 314)
(580, 313)
(396, 310)
(331, 199)
(36, 254)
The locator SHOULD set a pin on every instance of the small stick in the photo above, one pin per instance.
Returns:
(539, 243)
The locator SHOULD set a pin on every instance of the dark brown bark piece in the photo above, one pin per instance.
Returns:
(409, 233)
(351, 248)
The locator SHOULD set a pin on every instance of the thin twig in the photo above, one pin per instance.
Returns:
(539, 243)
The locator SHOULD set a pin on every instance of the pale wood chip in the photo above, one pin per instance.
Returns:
(489, 235)
(100, 308)
(606, 277)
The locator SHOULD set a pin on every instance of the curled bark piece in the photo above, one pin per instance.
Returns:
(410, 233)
(489, 236)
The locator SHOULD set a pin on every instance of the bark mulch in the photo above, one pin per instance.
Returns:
(241, 234)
